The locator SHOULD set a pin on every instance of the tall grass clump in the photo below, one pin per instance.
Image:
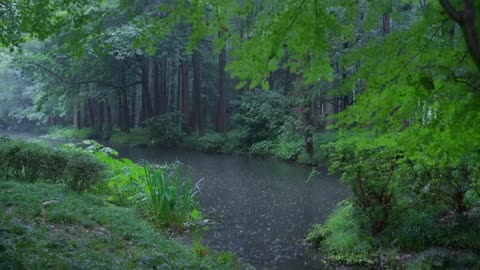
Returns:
(170, 196)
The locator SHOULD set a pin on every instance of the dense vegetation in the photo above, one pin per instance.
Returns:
(395, 83)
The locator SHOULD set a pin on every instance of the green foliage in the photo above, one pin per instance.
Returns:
(70, 133)
(289, 147)
(30, 161)
(343, 237)
(262, 116)
(170, 198)
(417, 228)
(45, 226)
(164, 130)
(138, 137)
(83, 171)
(163, 193)
(211, 142)
(262, 148)
(370, 172)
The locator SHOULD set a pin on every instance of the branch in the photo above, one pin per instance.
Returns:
(65, 81)
(415, 56)
(452, 12)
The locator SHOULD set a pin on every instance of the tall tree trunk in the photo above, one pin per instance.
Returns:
(156, 87)
(85, 114)
(91, 111)
(179, 88)
(125, 111)
(185, 97)
(100, 119)
(287, 76)
(77, 116)
(133, 113)
(221, 111)
(197, 95)
(108, 126)
(386, 24)
(146, 110)
(467, 21)
(163, 105)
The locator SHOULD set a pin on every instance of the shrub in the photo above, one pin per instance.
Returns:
(83, 170)
(262, 115)
(233, 141)
(370, 172)
(30, 161)
(289, 147)
(262, 148)
(164, 130)
(211, 142)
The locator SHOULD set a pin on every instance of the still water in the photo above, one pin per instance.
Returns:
(259, 209)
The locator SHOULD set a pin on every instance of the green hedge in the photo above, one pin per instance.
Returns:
(31, 162)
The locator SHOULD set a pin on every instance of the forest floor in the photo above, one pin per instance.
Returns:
(45, 226)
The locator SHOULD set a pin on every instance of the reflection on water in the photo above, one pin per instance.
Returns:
(260, 209)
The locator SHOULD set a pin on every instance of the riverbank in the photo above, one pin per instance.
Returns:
(71, 206)
(48, 226)
(288, 147)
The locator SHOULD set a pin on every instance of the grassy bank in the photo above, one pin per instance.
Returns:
(287, 147)
(45, 226)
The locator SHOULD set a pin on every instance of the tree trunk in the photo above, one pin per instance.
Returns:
(133, 114)
(125, 114)
(467, 21)
(77, 117)
(221, 111)
(100, 119)
(156, 87)
(185, 97)
(108, 127)
(386, 24)
(197, 95)
(179, 88)
(146, 110)
(91, 110)
(85, 115)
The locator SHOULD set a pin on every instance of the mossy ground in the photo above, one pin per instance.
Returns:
(44, 226)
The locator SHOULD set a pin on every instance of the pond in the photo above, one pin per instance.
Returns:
(259, 209)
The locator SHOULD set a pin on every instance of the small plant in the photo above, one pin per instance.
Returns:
(170, 197)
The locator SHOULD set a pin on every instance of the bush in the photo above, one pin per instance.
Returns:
(262, 148)
(83, 170)
(262, 115)
(164, 130)
(370, 172)
(233, 141)
(29, 161)
(211, 142)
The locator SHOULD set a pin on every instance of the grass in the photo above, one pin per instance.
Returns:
(169, 195)
(70, 133)
(44, 226)
(137, 137)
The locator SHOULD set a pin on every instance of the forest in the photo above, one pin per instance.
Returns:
(241, 134)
